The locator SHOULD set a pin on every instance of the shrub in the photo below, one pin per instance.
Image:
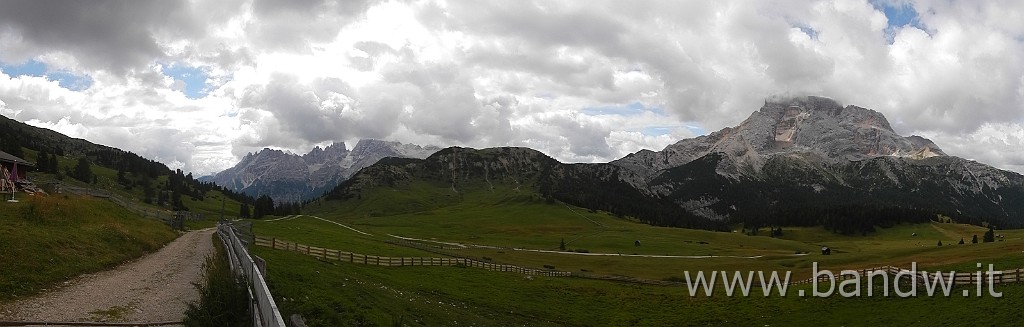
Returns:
(990, 235)
(223, 296)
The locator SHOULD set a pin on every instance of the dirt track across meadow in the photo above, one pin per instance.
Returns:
(154, 288)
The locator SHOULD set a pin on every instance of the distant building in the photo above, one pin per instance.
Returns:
(16, 167)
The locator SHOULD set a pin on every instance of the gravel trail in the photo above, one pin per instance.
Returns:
(154, 288)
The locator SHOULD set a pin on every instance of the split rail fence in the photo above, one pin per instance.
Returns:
(961, 278)
(343, 256)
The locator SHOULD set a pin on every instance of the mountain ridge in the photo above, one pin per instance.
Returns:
(289, 177)
(787, 164)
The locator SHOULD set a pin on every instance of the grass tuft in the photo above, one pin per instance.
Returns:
(223, 296)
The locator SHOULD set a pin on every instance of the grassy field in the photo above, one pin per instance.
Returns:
(504, 219)
(505, 225)
(46, 240)
(336, 294)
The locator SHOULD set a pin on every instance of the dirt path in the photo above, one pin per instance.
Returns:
(155, 288)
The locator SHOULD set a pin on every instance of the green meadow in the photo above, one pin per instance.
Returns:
(508, 226)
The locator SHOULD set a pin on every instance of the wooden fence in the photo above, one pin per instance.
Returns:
(452, 259)
(343, 256)
(960, 278)
(264, 310)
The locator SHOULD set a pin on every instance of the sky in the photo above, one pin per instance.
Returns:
(199, 84)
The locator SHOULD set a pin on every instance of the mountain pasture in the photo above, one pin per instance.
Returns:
(507, 225)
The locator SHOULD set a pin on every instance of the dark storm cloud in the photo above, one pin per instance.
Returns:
(106, 34)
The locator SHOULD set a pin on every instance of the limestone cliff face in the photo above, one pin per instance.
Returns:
(813, 127)
(813, 147)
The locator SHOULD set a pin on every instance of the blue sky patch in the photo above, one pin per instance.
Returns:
(194, 78)
(898, 15)
(809, 31)
(631, 109)
(36, 68)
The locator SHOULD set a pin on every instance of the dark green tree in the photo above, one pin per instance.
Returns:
(54, 166)
(82, 171)
(974, 240)
(561, 246)
(11, 146)
(940, 243)
(176, 201)
(990, 235)
(244, 212)
(961, 241)
(43, 161)
(264, 207)
(121, 179)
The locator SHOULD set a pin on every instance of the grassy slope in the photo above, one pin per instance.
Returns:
(507, 217)
(106, 179)
(333, 293)
(68, 236)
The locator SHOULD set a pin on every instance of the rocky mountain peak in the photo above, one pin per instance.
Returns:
(810, 127)
(290, 177)
(321, 155)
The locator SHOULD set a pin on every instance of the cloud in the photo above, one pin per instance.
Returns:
(199, 84)
(92, 30)
(290, 25)
(998, 144)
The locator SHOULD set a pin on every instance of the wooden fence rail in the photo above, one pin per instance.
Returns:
(366, 259)
(451, 259)
(264, 309)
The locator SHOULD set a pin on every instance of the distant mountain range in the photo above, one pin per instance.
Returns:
(800, 161)
(288, 177)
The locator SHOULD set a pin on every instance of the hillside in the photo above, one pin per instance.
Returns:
(446, 176)
(114, 170)
(802, 162)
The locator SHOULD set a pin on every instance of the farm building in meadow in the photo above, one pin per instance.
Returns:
(13, 167)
